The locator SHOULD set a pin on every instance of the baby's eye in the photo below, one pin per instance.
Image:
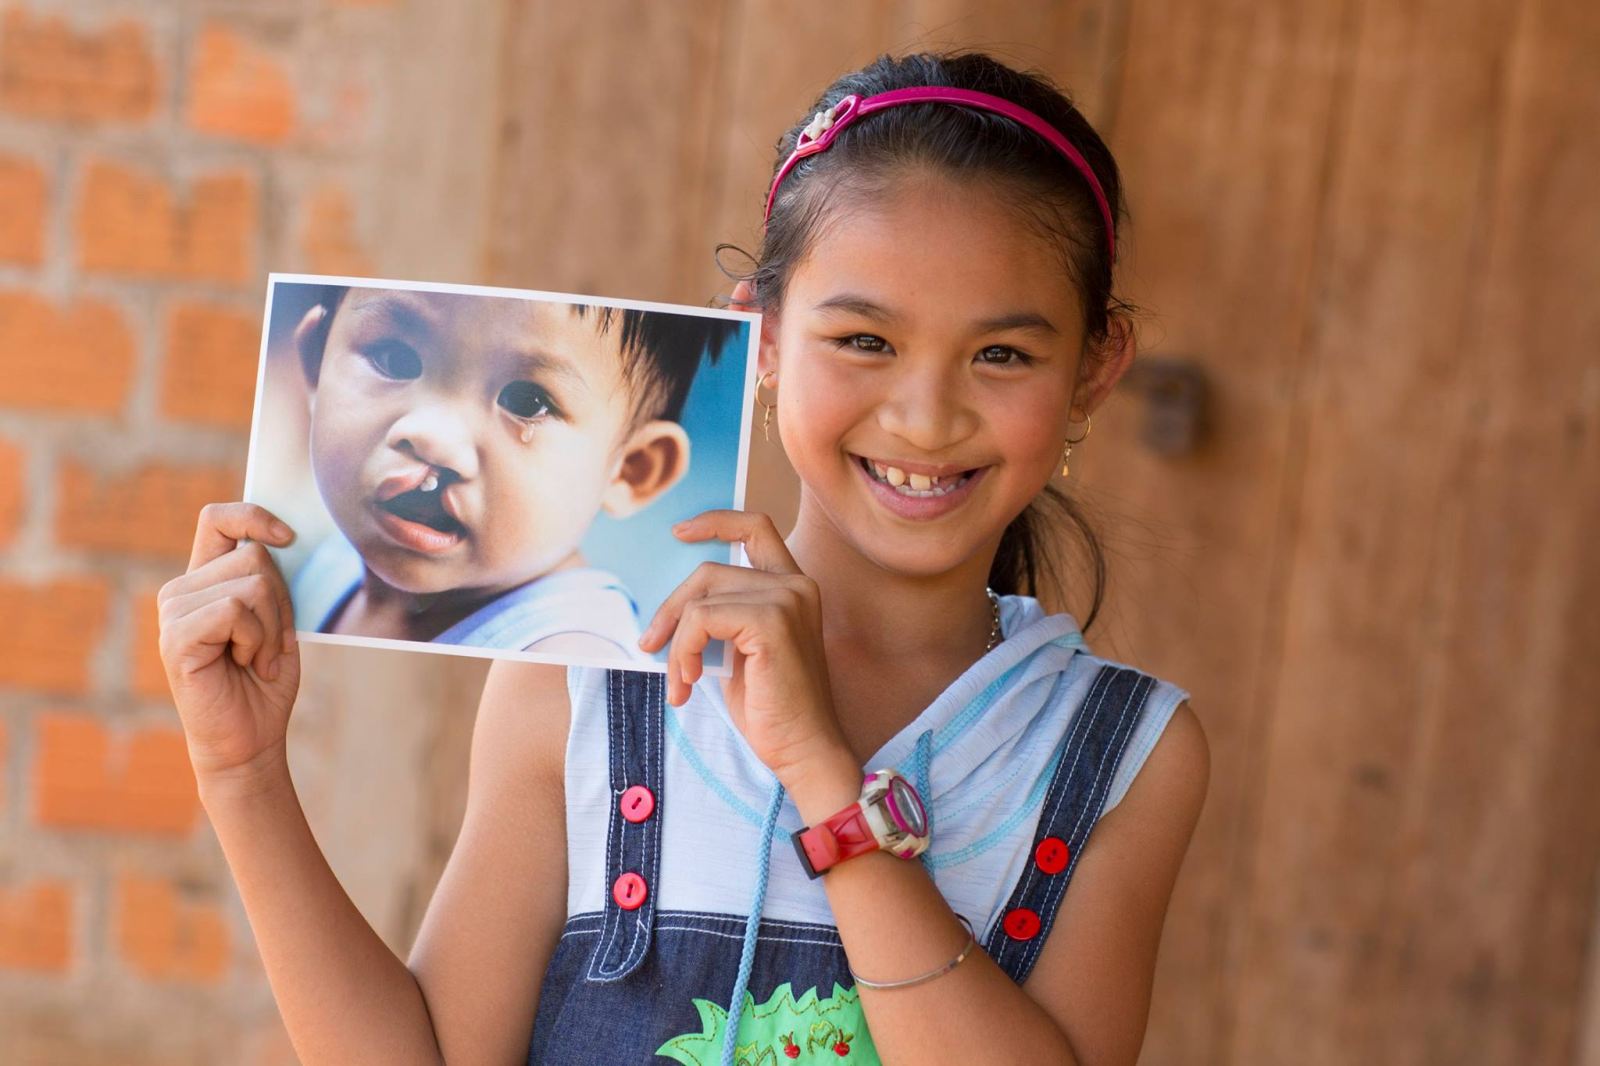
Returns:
(874, 343)
(394, 360)
(526, 400)
(1005, 355)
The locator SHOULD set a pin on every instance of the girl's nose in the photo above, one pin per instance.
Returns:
(927, 409)
(439, 435)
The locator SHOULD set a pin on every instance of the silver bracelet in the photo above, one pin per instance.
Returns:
(972, 942)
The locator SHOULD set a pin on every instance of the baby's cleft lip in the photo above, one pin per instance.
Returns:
(403, 482)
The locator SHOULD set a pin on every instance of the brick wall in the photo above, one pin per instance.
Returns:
(156, 161)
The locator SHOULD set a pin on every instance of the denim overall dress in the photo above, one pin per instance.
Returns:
(694, 936)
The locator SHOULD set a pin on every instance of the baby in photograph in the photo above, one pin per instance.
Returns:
(463, 444)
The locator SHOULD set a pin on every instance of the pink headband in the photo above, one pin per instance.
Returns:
(827, 124)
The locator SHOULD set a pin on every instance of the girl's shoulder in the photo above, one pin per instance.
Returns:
(1085, 683)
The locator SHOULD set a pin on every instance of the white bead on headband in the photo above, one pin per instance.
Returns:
(825, 126)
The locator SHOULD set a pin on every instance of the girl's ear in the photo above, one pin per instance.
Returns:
(654, 458)
(1112, 358)
(310, 338)
(743, 299)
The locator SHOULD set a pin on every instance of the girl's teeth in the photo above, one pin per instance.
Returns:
(914, 484)
(430, 482)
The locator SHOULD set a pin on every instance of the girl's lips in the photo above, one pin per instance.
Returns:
(415, 535)
(920, 508)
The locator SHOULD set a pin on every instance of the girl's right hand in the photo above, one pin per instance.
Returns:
(228, 645)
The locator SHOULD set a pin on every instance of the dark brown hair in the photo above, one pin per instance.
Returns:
(979, 146)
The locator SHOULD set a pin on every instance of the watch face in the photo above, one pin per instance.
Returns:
(906, 807)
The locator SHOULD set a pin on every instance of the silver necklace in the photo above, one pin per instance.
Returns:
(994, 626)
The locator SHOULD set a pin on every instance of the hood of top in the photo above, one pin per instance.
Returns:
(993, 706)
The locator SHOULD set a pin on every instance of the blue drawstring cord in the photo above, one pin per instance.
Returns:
(747, 954)
(921, 759)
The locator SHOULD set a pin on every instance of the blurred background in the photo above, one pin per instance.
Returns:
(1351, 494)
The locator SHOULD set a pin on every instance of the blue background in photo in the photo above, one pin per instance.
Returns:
(641, 550)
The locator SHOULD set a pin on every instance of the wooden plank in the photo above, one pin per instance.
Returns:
(1383, 404)
(1481, 954)
(609, 111)
(1221, 134)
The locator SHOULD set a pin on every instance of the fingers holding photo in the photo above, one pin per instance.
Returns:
(763, 544)
(223, 525)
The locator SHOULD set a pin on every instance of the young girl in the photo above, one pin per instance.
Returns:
(859, 848)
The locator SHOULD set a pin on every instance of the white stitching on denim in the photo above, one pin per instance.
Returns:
(663, 927)
(1056, 888)
(613, 912)
(1085, 713)
(649, 830)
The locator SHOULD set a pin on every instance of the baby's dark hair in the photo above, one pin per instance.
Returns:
(661, 351)
(1044, 188)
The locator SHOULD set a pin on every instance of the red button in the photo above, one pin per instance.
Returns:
(1019, 923)
(637, 803)
(1052, 855)
(629, 891)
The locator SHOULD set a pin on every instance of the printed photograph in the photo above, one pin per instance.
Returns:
(490, 471)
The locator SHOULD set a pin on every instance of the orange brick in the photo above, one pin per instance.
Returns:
(146, 674)
(130, 222)
(52, 630)
(210, 371)
(23, 192)
(150, 511)
(36, 927)
(84, 780)
(11, 490)
(49, 70)
(239, 90)
(327, 235)
(166, 938)
(75, 358)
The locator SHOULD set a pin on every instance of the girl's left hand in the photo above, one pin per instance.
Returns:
(770, 615)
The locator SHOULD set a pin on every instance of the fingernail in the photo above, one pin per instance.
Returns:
(281, 531)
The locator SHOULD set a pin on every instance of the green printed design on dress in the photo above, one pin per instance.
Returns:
(780, 1031)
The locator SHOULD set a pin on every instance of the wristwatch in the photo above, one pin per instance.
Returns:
(888, 815)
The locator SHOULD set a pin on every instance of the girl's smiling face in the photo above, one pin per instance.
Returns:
(933, 332)
(464, 442)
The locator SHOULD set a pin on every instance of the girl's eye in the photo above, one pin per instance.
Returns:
(526, 400)
(1005, 356)
(394, 360)
(875, 343)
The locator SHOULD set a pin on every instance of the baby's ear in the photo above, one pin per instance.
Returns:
(310, 338)
(654, 458)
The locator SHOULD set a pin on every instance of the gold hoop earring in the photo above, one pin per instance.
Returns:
(1087, 426)
(766, 417)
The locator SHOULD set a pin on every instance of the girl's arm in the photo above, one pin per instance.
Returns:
(1087, 999)
(494, 920)
(228, 648)
(470, 991)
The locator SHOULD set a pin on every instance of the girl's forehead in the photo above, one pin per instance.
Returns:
(934, 244)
